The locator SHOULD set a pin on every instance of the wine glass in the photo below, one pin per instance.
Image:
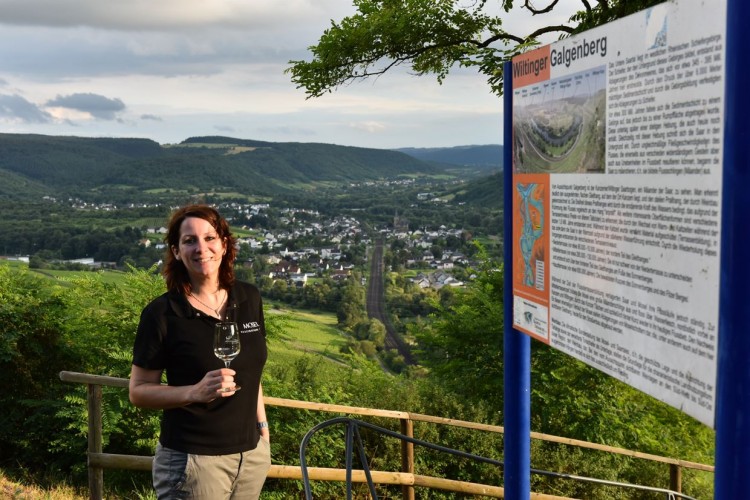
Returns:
(227, 345)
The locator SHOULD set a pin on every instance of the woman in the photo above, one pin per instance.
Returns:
(214, 440)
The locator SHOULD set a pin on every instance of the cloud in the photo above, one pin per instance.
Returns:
(368, 126)
(16, 108)
(224, 128)
(95, 105)
(151, 117)
(142, 15)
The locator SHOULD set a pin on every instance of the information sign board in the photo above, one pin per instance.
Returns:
(617, 175)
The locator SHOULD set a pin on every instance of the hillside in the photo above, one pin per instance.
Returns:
(484, 192)
(483, 158)
(15, 187)
(129, 168)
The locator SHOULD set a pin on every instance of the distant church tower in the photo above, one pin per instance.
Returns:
(400, 224)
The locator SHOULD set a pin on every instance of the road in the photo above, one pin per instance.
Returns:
(376, 305)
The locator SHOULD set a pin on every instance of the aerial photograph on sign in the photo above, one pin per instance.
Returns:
(559, 125)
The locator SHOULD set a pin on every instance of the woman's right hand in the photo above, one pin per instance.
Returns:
(216, 383)
(147, 391)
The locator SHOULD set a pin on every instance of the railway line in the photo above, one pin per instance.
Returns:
(376, 305)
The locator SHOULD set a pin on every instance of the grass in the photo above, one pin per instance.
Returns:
(305, 333)
(61, 277)
(12, 488)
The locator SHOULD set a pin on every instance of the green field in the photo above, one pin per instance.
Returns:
(306, 333)
(63, 278)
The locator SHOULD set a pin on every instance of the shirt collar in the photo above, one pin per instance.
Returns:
(182, 308)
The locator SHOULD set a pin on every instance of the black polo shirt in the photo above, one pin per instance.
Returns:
(176, 337)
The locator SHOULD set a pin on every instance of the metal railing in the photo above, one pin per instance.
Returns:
(406, 478)
(353, 434)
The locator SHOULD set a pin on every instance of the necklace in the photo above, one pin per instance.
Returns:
(216, 311)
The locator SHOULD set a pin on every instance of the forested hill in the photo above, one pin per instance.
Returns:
(484, 192)
(486, 158)
(30, 164)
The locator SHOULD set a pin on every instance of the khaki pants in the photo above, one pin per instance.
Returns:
(239, 476)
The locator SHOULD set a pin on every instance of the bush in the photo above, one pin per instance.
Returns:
(33, 349)
(87, 327)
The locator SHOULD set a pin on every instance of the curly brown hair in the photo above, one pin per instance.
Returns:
(174, 270)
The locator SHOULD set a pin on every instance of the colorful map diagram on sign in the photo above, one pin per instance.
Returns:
(532, 222)
(531, 254)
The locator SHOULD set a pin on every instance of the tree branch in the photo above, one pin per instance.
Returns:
(517, 39)
(500, 36)
(535, 11)
(550, 29)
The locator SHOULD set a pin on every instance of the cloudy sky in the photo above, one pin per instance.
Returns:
(172, 69)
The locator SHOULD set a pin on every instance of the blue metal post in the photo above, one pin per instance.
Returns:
(733, 378)
(516, 345)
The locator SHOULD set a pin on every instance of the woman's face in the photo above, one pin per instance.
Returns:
(200, 248)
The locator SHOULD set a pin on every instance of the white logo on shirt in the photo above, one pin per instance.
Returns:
(250, 327)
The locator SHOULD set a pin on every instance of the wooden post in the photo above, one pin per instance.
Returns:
(675, 478)
(407, 456)
(96, 473)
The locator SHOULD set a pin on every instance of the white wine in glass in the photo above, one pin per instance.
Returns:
(227, 345)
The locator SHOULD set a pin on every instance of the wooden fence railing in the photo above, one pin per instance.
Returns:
(98, 461)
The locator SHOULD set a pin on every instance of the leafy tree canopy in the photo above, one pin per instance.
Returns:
(433, 36)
